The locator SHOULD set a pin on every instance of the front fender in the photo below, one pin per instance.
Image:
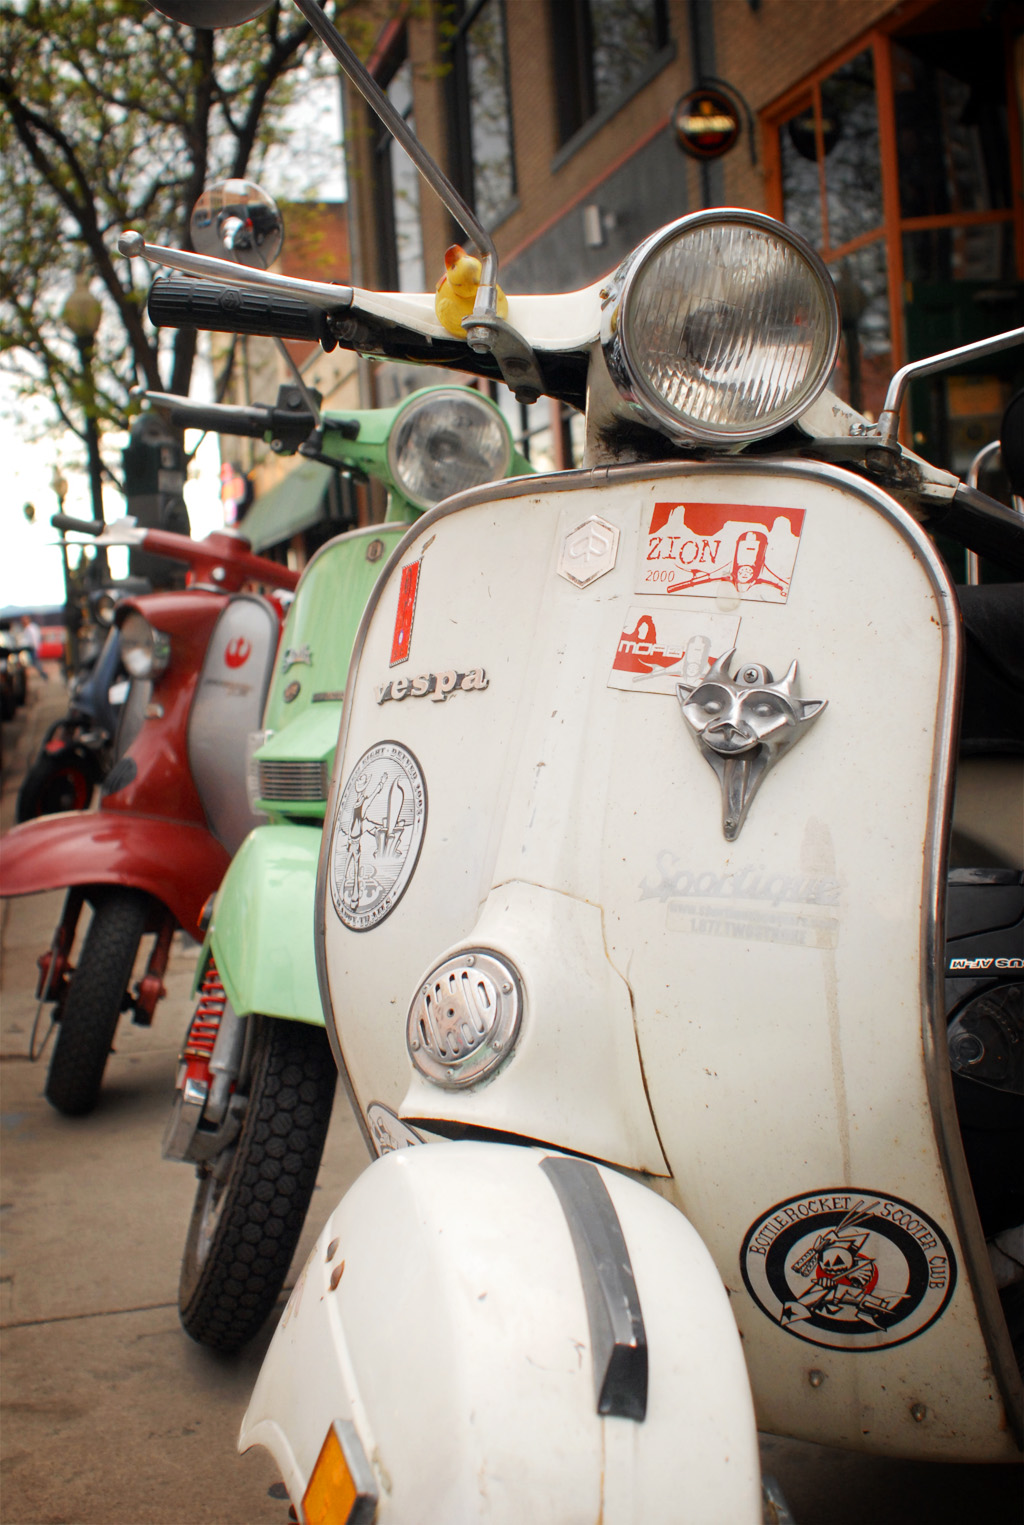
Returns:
(262, 928)
(178, 864)
(446, 1314)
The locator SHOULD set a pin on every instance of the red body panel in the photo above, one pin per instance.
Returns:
(163, 784)
(179, 864)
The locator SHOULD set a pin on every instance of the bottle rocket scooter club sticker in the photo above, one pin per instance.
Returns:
(850, 1270)
(660, 647)
(712, 548)
(378, 830)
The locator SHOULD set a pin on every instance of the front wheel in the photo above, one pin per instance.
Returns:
(251, 1204)
(97, 993)
(56, 781)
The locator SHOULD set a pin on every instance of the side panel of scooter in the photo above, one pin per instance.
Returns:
(323, 620)
(228, 705)
(262, 928)
(769, 999)
(174, 862)
(443, 1312)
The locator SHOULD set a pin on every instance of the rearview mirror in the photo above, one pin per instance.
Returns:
(237, 220)
(211, 14)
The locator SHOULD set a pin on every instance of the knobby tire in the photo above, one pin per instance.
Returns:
(96, 995)
(231, 1277)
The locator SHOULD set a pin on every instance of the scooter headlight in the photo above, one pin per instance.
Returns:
(145, 651)
(722, 327)
(446, 441)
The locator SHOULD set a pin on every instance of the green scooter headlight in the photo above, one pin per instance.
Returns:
(447, 441)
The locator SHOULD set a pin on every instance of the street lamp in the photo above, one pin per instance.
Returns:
(82, 313)
(60, 488)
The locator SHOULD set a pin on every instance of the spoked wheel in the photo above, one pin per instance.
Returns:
(251, 1204)
(97, 993)
(56, 781)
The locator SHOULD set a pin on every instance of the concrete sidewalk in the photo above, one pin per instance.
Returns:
(111, 1415)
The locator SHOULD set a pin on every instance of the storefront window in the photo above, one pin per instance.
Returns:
(975, 252)
(801, 184)
(602, 49)
(865, 357)
(853, 168)
(950, 126)
(482, 117)
(398, 200)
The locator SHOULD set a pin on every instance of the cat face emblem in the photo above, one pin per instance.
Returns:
(743, 725)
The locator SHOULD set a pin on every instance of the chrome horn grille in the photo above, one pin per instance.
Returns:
(465, 1018)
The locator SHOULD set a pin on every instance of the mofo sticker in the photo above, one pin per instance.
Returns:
(850, 1270)
(659, 647)
(710, 549)
(378, 831)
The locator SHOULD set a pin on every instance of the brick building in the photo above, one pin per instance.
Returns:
(889, 134)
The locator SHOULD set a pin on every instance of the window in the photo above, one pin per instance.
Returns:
(603, 49)
(397, 203)
(831, 172)
(482, 157)
(896, 166)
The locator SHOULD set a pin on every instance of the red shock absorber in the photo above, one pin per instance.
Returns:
(202, 1034)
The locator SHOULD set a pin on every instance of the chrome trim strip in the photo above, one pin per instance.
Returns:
(618, 1340)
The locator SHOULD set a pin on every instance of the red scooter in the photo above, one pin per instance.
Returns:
(173, 807)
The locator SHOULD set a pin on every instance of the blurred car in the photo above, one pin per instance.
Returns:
(51, 644)
(13, 666)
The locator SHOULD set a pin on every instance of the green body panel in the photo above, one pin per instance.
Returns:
(261, 934)
(310, 737)
(324, 618)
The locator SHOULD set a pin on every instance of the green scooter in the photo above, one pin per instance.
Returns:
(256, 1076)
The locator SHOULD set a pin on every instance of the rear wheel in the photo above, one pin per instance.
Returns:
(56, 781)
(97, 993)
(251, 1204)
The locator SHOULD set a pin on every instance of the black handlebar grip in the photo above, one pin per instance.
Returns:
(83, 526)
(183, 302)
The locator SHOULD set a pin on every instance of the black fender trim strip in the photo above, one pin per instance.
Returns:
(617, 1336)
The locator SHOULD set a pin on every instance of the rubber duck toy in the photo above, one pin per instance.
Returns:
(457, 289)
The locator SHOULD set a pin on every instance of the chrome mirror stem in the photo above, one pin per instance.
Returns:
(889, 419)
(486, 297)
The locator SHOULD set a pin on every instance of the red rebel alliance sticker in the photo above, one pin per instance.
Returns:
(237, 652)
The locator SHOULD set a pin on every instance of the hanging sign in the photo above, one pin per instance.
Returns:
(706, 123)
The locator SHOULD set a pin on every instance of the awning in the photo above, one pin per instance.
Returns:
(290, 507)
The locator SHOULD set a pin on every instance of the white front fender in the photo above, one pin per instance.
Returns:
(467, 1310)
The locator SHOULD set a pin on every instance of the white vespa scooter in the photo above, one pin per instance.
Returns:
(636, 907)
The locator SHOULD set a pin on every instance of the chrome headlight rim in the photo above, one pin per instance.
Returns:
(145, 651)
(429, 397)
(643, 400)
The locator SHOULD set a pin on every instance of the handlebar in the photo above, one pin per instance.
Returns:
(290, 426)
(224, 561)
(183, 302)
(985, 526)
(82, 526)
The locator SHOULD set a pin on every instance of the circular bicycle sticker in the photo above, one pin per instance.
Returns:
(852, 1270)
(378, 829)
